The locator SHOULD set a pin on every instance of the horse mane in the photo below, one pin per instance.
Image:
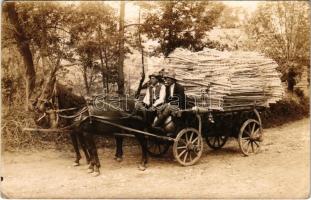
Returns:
(67, 98)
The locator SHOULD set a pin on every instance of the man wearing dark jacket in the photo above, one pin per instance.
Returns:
(174, 99)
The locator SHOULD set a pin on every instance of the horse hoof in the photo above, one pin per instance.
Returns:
(94, 174)
(90, 170)
(142, 167)
(75, 164)
(118, 159)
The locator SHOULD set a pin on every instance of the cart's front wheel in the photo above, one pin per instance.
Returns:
(216, 142)
(188, 146)
(250, 137)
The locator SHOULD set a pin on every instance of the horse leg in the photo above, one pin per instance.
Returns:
(95, 164)
(76, 148)
(119, 150)
(144, 159)
(96, 158)
(84, 147)
(86, 136)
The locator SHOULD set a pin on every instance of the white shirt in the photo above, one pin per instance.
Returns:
(172, 90)
(158, 101)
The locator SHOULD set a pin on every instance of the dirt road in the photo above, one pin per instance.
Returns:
(280, 170)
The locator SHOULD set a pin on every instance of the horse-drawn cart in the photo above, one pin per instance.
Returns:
(195, 124)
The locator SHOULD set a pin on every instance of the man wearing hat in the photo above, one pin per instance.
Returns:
(174, 99)
(155, 94)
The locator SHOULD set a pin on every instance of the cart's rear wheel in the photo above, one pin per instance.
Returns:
(157, 147)
(188, 146)
(216, 142)
(250, 137)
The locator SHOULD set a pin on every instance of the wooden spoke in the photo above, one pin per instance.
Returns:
(252, 147)
(249, 129)
(247, 148)
(190, 157)
(182, 153)
(245, 143)
(191, 136)
(248, 133)
(216, 142)
(186, 137)
(253, 128)
(196, 139)
(186, 155)
(156, 147)
(245, 138)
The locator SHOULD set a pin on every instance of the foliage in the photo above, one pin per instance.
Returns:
(286, 110)
(232, 17)
(281, 31)
(181, 24)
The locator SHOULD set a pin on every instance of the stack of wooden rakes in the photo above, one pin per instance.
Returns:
(226, 80)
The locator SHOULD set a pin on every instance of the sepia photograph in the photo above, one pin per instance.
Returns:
(155, 100)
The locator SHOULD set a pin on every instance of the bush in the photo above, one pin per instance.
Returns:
(286, 110)
(14, 138)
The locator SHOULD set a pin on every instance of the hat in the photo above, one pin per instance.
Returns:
(161, 72)
(154, 74)
(170, 74)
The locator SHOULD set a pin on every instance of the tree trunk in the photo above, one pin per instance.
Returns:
(85, 80)
(24, 49)
(121, 49)
(104, 75)
(107, 75)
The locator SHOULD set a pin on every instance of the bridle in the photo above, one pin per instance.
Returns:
(78, 115)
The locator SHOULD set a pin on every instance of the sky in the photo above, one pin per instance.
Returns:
(251, 5)
(132, 10)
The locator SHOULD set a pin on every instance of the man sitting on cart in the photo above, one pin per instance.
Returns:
(174, 100)
(154, 97)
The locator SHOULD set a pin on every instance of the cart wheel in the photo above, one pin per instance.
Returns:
(188, 146)
(157, 147)
(216, 142)
(250, 137)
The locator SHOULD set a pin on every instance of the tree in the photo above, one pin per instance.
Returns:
(281, 31)
(121, 49)
(41, 29)
(23, 47)
(94, 40)
(181, 24)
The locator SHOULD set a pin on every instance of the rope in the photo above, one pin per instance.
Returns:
(83, 110)
(67, 109)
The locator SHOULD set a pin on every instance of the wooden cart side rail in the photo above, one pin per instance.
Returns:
(103, 120)
(202, 110)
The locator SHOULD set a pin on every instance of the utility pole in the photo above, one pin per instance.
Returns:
(142, 61)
